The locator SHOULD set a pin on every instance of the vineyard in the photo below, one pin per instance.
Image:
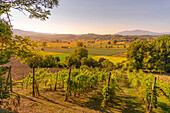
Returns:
(90, 73)
(72, 86)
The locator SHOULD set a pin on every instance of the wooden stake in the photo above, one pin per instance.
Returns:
(56, 82)
(109, 79)
(37, 88)
(10, 77)
(33, 87)
(153, 95)
(68, 86)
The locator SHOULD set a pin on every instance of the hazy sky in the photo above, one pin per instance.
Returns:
(100, 16)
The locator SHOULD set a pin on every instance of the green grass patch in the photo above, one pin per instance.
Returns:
(95, 51)
(62, 56)
(111, 58)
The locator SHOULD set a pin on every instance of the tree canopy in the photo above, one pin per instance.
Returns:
(154, 55)
(36, 8)
(15, 45)
(79, 44)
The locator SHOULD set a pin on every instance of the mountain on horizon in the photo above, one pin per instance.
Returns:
(139, 32)
(48, 36)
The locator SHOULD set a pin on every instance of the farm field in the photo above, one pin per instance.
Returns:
(111, 58)
(92, 51)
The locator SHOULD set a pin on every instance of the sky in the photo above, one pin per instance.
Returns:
(100, 17)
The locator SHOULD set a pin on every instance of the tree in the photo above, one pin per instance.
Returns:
(90, 62)
(158, 54)
(153, 56)
(57, 59)
(107, 64)
(114, 41)
(79, 44)
(101, 59)
(36, 8)
(108, 42)
(44, 44)
(82, 52)
(136, 53)
(76, 56)
(18, 46)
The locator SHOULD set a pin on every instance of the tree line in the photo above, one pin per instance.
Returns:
(151, 55)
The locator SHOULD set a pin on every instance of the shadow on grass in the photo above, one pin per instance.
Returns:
(122, 102)
(25, 97)
(130, 104)
(165, 107)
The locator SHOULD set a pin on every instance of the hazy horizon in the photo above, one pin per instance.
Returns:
(100, 17)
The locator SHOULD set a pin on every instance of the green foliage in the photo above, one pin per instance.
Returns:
(82, 80)
(6, 41)
(18, 46)
(101, 59)
(158, 56)
(114, 41)
(81, 52)
(144, 84)
(136, 53)
(107, 65)
(153, 56)
(75, 58)
(5, 55)
(35, 8)
(90, 62)
(79, 44)
(44, 44)
(4, 85)
(37, 59)
(109, 91)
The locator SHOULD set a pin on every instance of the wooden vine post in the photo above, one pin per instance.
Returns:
(68, 86)
(9, 79)
(33, 84)
(55, 88)
(109, 79)
(153, 96)
(37, 88)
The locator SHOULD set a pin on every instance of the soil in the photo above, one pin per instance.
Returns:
(20, 70)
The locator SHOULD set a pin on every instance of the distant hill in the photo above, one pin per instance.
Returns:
(23, 33)
(133, 35)
(139, 32)
(42, 36)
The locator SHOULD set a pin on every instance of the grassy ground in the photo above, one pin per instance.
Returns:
(92, 51)
(125, 101)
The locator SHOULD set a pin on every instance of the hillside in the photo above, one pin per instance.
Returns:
(139, 32)
(121, 36)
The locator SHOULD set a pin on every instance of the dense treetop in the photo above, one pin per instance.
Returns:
(36, 8)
